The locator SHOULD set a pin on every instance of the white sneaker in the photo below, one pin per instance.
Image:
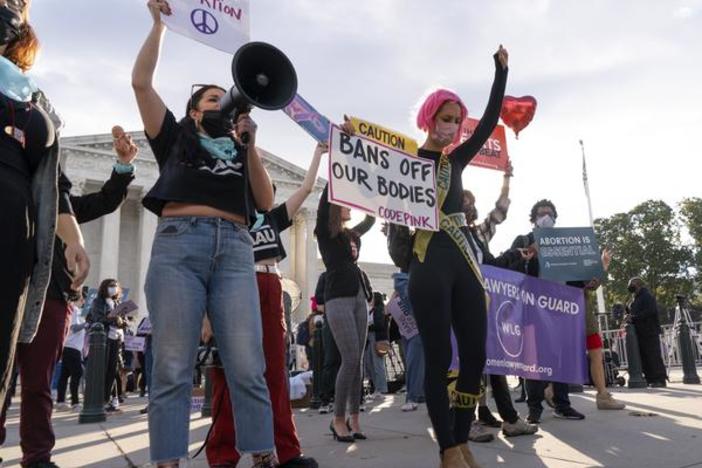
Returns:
(326, 409)
(62, 406)
(362, 408)
(76, 408)
(409, 406)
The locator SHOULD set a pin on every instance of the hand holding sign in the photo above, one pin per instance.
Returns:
(158, 7)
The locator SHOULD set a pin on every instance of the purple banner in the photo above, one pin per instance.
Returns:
(536, 328)
(308, 118)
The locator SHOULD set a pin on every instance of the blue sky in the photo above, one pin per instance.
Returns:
(624, 76)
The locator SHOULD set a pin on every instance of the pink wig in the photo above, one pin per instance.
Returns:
(432, 104)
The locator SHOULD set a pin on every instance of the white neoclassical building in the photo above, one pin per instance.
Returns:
(119, 244)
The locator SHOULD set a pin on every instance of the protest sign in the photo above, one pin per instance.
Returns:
(382, 181)
(385, 136)
(536, 328)
(568, 254)
(222, 24)
(144, 327)
(493, 154)
(134, 343)
(403, 318)
(123, 309)
(307, 117)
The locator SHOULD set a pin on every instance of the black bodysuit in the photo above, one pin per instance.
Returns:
(445, 292)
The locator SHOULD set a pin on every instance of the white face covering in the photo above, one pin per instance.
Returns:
(111, 291)
(545, 221)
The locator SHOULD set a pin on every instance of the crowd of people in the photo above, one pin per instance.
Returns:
(213, 277)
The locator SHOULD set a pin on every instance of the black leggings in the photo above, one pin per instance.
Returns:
(17, 253)
(445, 292)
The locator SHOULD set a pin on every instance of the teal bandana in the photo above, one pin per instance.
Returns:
(14, 83)
(219, 148)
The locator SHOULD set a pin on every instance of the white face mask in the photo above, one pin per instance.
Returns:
(111, 291)
(546, 221)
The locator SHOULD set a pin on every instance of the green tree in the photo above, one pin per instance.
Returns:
(691, 212)
(646, 242)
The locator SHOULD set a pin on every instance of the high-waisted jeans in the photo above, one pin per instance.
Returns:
(204, 265)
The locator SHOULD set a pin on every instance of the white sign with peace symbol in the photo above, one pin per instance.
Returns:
(222, 24)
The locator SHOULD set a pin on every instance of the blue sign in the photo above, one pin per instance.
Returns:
(568, 254)
(308, 118)
(204, 21)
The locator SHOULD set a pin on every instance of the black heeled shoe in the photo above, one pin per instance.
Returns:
(355, 435)
(346, 439)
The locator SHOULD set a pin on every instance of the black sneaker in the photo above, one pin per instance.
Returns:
(534, 416)
(569, 413)
(486, 418)
(658, 384)
(300, 461)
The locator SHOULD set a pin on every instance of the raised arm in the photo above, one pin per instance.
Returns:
(94, 205)
(151, 107)
(467, 150)
(322, 227)
(364, 226)
(298, 198)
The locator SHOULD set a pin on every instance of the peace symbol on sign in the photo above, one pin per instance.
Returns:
(204, 21)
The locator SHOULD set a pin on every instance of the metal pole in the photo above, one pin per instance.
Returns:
(600, 291)
(94, 398)
(206, 411)
(687, 354)
(636, 380)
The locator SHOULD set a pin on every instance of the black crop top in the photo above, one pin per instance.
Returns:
(467, 150)
(200, 180)
(266, 234)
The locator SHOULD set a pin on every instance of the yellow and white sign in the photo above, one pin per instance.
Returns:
(385, 136)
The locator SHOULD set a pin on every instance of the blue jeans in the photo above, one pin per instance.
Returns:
(414, 351)
(414, 368)
(203, 265)
(374, 366)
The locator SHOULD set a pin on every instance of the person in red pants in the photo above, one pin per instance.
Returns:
(268, 251)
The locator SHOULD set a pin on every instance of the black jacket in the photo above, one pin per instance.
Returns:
(644, 313)
(86, 208)
(380, 323)
(509, 260)
(343, 276)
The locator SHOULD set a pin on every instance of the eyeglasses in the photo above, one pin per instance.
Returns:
(194, 89)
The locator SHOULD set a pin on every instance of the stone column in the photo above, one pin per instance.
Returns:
(300, 253)
(109, 251)
(147, 229)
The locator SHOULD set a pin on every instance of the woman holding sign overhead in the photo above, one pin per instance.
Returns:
(209, 187)
(347, 292)
(446, 286)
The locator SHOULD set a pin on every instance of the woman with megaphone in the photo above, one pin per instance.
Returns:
(208, 191)
(445, 284)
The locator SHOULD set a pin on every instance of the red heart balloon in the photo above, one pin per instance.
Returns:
(517, 112)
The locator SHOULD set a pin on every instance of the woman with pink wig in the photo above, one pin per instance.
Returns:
(445, 286)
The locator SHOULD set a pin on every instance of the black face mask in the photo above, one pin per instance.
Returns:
(631, 289)
(216, 125)
(10, 25)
